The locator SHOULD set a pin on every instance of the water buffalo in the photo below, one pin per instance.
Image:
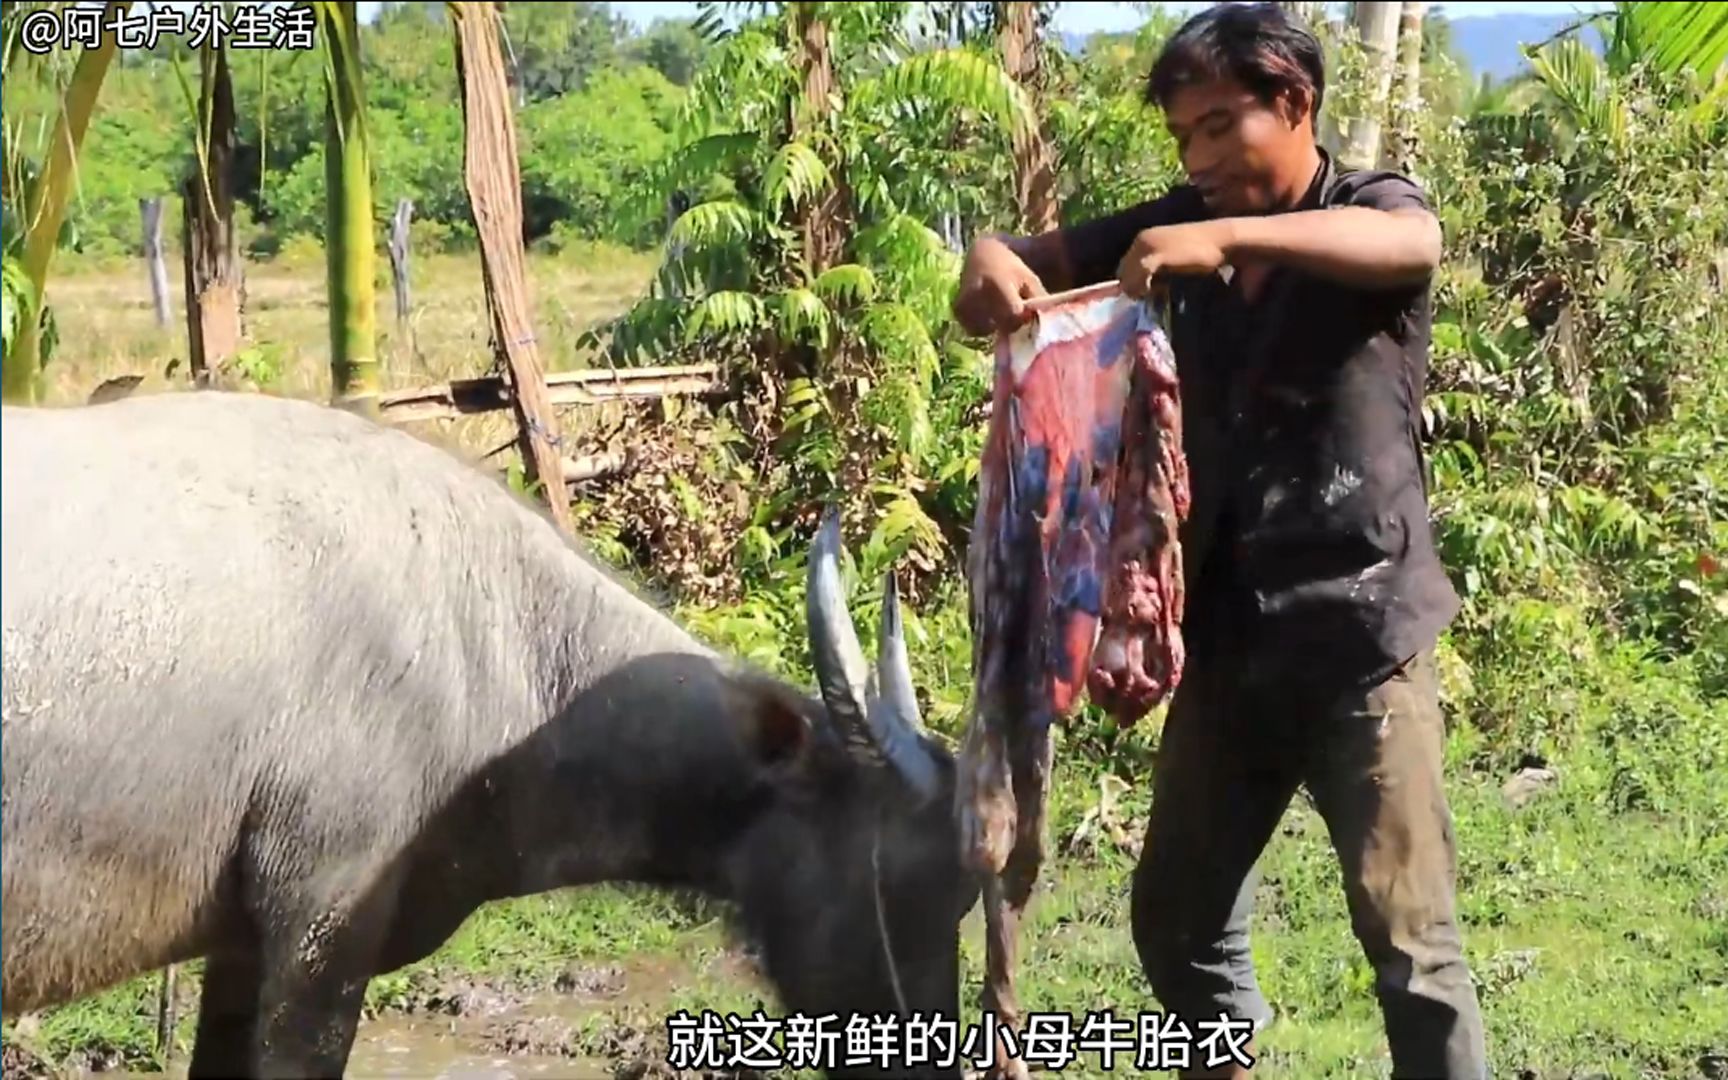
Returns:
(296, 693)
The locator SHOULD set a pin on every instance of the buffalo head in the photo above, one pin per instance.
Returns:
(851, 880)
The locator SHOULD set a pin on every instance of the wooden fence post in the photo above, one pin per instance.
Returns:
(399, 256)
(167, 1013)
(495, 192)
(151, 212)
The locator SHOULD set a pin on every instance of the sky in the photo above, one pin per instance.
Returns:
(1092, 15)
(1088, 16)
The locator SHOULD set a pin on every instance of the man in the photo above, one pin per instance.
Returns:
(1299, 301)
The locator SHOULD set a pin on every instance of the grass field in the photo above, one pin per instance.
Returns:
(1600, 941)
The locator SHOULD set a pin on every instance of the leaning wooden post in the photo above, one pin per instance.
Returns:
(214, 285)
(399, 256)
(150, 210)
(495, 192)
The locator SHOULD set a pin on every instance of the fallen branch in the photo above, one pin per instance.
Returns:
(597, 466)
(488, 393)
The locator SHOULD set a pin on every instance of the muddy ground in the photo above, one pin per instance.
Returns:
(590, 1022)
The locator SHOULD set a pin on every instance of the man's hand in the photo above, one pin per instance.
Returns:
(1193, 248)
(994, 287)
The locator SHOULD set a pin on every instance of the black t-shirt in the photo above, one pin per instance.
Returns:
(1308, 554)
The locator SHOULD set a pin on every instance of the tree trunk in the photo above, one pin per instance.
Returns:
(1377, 31)
(45, 208)
(825, 225)
(1034, 161)
(350, 244)
(495, 191)
(167, 1011)
(150, 212)
(1403, 143)
(215, 286)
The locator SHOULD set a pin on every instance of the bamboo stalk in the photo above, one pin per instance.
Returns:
(1085, 292)
(1402, 141)
(349, 241)
(1376, 26)
(45, 208)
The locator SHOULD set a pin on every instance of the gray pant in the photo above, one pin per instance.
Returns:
(1227, 770)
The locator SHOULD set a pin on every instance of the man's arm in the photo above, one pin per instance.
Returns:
(1087, 253)
(1362, 246)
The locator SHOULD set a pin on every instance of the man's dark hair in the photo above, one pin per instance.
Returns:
(1261, 46)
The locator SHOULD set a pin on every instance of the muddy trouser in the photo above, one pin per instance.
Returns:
(1227, 769)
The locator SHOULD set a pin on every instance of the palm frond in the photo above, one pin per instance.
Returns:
(794, 175)
(802, 316)
(714, 223)
(1672, 37)
(726, 313)
(848, 283)
(957, 81)
(1580, 82)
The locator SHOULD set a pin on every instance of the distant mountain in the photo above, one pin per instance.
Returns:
(1074, 43)
(1490, 44)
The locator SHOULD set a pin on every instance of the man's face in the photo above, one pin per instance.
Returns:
(1237, 150)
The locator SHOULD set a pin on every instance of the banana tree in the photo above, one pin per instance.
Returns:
(33, 235)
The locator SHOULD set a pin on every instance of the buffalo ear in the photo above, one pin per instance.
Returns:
(770, 720)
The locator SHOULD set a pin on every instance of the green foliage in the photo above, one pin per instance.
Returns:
(599, 103)
(1577, 414)
(1579, 425)
(583, 154)
(17, 299)
(557, 47)
(671, 47)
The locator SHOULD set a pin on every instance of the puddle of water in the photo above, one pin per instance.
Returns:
(441, 1047)
(432, 1048)
(435, 1045)
(450, 1049)
(468, 1047)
